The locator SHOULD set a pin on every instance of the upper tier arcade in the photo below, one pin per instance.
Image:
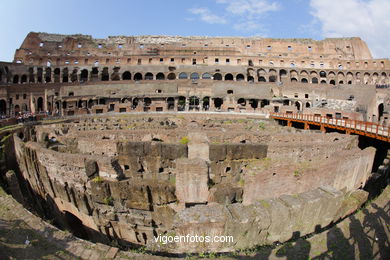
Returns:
(43, 48)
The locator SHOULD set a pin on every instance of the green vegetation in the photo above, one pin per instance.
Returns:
(184, 140)
(97, 179)
(297, 173)
(108, 200)
(261, 125)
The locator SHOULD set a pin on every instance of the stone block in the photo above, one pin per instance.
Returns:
(217, 152)
(91, 168)
(192, 181)
(174, 151)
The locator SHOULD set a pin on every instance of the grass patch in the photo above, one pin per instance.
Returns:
(184, 140)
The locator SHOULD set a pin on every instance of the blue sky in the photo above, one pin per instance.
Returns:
(316, 19)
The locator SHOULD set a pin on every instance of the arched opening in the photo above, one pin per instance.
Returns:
(23, 79)
(206, 103)
(294, 80)
(160, 76)
(84, 75)
(298, 105)
(64, 105)
(147, 101)
(241, 102)
(314, 80)
(228, 76)
(307, 105)
(380, 111)
(57, 72)
(105, 74)
(17, 109)
(217, 76)
(218, 102)
(323, 81)
(262, 79)
(194, 103)
(194, 76)
(181, 103)
(138, 76)
(39, 75)
(240, 77)
(322, 74)
(272, 78)
(254, 103)
(283, 73)
(48, 75)
(95, 74)
(332, 82)
(148, 76)
(206, 75)
(73, 76)
(115, 74)
(304, 80)
(65, 75)
(15, 79)
(90, 103)
(24, 108)
(341, 82)
(171, 103)
(183, 75)
(251, 79)
(80, 104)
(126, 75)
(31, 75)
(171, 76)
(349, 82)
(3, 107)
(135, 103)
(40, 104)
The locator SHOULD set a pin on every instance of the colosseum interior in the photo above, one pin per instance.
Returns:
(166, 135)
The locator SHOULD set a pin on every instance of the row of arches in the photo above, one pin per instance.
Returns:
(260, 75)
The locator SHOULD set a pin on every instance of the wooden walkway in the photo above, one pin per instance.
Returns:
(369, 129)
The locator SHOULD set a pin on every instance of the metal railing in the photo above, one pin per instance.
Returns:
(356, 126)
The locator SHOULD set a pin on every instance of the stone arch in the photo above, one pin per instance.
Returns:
(183, 75)
(57, 73)
(251, 79)
(105, 74)
(147, 101)
(137, 76)
(314, 80)
(24, 107)
(39, 75)
(115, 74)
(323, 81)
(65, 75)
(181, 103)
(380, 111)
(272, 75)
(304, 80)
(206, 75)
(262, 79)
(84, 75)
(160, 76)
(332, 82)
(366, 78)
(241, 101)
(217, 76)
(194, 76)
(126, 75)
(23, 79)
(15, 79)
(307, 105)
(240, 77)
(282, 73)
(170, 103)
(16, 109)
(298, 105)
(322, 74)
(294, 80)
(149, 76)
(73, 76)
(48, 75)
(228, 76)
(218, 102)
(3, 107)
(40, 104)
(171, 76)
(206, 103)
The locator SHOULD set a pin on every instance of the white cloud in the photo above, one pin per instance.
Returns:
(249, 7)
(244, 15)
(366, 19)
(207, 16)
